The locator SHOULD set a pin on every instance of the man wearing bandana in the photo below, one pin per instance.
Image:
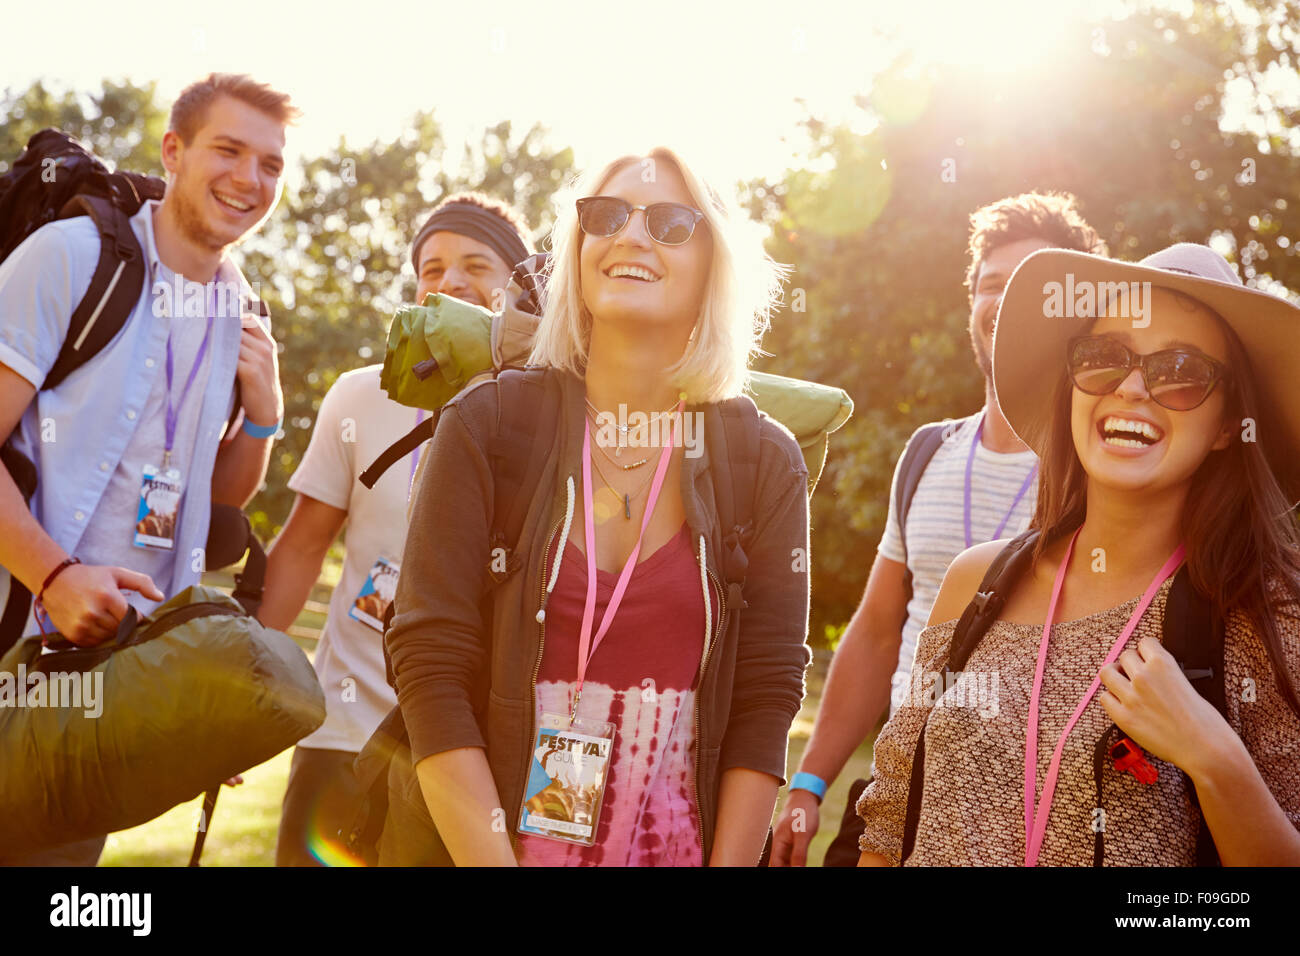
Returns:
(467, 249)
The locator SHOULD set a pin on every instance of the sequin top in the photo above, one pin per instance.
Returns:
(973, 811)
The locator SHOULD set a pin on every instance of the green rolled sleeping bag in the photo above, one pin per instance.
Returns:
(436, 349)
(120, 733)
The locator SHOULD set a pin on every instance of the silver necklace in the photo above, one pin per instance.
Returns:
(624, 429)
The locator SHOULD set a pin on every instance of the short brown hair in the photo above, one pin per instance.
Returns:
(190, 110)
(1053, 217)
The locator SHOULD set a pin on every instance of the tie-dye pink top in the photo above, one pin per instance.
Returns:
(641, 679)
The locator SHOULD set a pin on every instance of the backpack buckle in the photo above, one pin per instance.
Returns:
(1129, 758)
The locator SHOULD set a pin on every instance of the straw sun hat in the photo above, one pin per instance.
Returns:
(1037, 319)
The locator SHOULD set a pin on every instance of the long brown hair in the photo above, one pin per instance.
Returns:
(1243, 543)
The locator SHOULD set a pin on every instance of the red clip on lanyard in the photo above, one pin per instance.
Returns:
(1036, 820)
(1129, 758)
(586, 643)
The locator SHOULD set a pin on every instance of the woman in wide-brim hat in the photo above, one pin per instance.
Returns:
(1168, 431)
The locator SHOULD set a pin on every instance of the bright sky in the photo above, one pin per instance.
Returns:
(718, 82)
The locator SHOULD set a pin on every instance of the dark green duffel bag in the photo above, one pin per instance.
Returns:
(119, 733)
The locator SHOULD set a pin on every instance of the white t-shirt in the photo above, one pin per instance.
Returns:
(356, 423)
(936, 523)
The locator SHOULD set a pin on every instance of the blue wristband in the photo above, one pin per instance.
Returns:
(810, 782)
(261, 431)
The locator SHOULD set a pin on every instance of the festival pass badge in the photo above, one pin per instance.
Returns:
(566, 784)
(373, 601)
(160, 500)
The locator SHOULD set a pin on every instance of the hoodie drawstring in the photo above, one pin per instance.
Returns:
(559, 554)
(704, 585)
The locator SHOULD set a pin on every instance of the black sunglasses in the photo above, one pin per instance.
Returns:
(667, 223)
(1177, 379)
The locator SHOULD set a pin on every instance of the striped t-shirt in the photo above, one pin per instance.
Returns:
(936, 523)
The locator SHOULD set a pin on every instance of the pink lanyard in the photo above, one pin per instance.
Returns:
(1036, 820)
(586, 643)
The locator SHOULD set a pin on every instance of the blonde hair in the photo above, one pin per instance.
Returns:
(743, 288)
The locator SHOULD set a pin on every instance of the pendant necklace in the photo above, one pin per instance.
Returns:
(627, 498)
(619, 451)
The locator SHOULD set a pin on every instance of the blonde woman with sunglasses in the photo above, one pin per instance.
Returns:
(622, 703)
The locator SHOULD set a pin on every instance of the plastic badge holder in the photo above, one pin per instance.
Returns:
(566, 784)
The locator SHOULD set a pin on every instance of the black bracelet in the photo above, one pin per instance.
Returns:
(65, 564)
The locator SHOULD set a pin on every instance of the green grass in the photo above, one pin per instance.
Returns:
(244, 826)
(242, 831)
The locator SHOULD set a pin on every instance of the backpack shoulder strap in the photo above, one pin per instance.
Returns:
(412, 440)
(114, 288)
(735, 492)
(925, 441)
(528, 418)
(989, 600)
(975, 621)
(1194, 635)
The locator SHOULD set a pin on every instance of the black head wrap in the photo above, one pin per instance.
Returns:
(472, 220)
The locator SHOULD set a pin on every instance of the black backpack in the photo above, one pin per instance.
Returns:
(529, 413)
(1192, 634)
(57, 177)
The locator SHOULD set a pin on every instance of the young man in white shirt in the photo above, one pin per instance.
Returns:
(78, 546)
(979, 485)
(467, 249)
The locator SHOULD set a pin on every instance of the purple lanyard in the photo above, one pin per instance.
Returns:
(415, 456)
(194, 369)
(970, 460)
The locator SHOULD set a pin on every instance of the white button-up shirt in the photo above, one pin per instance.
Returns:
(78, 432)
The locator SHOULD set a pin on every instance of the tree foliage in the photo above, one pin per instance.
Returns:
(1142, 119)
(876, 224)
(333, 261)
